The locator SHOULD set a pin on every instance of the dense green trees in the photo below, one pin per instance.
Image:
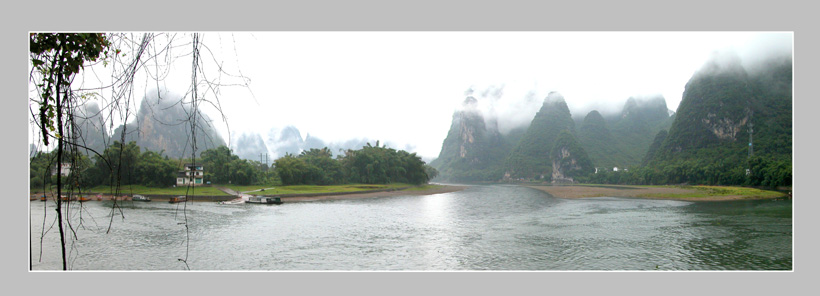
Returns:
(381, 165)
(117, 165)
(314, 166)
(125, 165)
(764, 172)
(369, 165)
(154, 170)
(323, 168)
(224, 167)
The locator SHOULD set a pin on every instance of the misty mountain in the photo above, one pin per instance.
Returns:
(352, 144)
(288, 139)
(163, 124)
(530, 158)
(601, 145)
(622, 140)
(723, 103)
(569, 159)
(284, 140)
(473, 148)
(313, 143)
(251, 146)
(91, 129)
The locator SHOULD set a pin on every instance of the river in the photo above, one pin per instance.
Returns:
(496, 227)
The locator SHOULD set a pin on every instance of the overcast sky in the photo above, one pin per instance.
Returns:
(403, 87)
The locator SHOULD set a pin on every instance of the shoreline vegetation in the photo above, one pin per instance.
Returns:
(685, 193)
(294, 193)
(428, 189)
(302, 193)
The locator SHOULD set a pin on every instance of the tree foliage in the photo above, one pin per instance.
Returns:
(57, 57)
(369, 165)
(223, 167)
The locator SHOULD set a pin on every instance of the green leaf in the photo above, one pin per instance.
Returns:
(37, 62)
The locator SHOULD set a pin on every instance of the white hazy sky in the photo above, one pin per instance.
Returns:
(403, 87)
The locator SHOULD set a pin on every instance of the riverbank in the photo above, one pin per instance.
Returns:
(310, 195)
(686, 193)
(420, 190)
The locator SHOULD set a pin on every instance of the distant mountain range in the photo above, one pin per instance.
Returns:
(474, 150)
(161, 125)
(286, 140)
(725, 107)
(706, 141)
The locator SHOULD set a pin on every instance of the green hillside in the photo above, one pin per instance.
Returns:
(623, 140)
(472, 150)
(709, 142)
(570, 161)
(530, 159)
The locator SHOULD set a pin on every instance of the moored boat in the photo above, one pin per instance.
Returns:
(83, 198)
(138, 197)
(177, 199)
(43, 198)
(235, 201)
(265, 199)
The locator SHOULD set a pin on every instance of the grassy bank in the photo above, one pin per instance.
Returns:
(310, 189)
(256, 189)
(425, 187)
(691, 193)
(718, 191)
(144, 190)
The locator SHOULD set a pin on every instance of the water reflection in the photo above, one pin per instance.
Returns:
(436, 224)
(480, 228)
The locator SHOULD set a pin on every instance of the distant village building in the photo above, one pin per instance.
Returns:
(192, 174)
(65, 169)
(615, 169)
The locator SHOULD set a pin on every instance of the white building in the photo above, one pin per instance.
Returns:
(192, 174)
(65, 169)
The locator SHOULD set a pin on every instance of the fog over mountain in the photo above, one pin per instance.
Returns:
(288, 140)
(163, 124)
(91, 128)
(250, 146)
(402, 87)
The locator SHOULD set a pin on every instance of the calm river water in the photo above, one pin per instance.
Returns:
(495, 227)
